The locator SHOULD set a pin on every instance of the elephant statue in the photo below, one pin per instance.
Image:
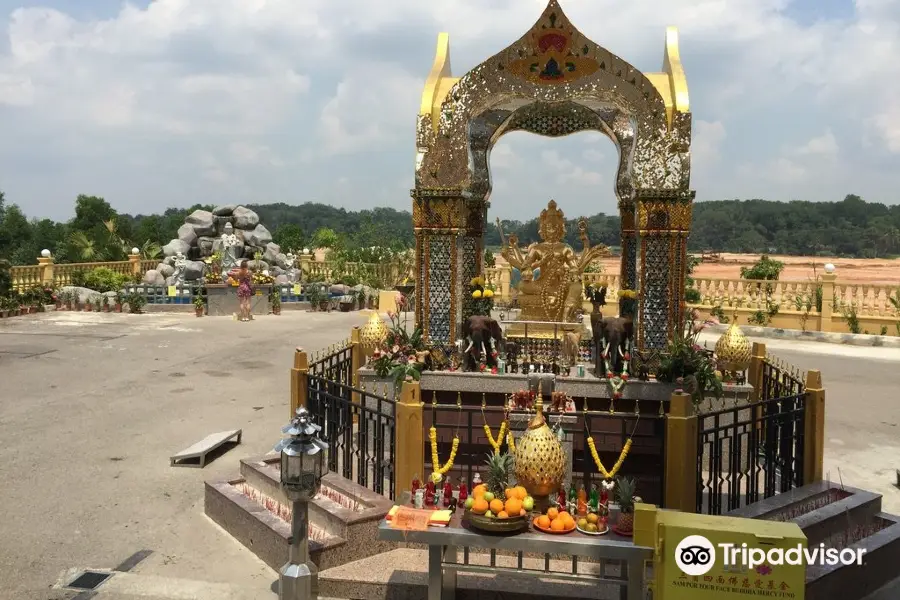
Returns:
(484, 336)
(612, 336)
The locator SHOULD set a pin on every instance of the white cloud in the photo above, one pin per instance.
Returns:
(568, 172)
(212, 95)
(824, 146)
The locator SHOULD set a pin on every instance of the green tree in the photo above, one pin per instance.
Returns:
(325, 237)
(289, 237)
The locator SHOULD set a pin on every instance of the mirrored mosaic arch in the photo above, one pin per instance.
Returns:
(554, 81)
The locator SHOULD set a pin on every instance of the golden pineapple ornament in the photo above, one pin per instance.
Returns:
(540, 461)
(733, 350)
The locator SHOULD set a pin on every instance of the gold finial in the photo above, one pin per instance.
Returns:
(612, 404)
(362, 387)
(585, 404)
(662, 410)
(384, 391)
(539, 404)
(637, 408)
(434, 398)
(483, 400)
(458, 399)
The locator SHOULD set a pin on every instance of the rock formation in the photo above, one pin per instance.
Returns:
(200, 237)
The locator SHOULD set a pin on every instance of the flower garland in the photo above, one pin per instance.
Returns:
(612, 472)
(435, 461)
(511, 442)
(495, 444)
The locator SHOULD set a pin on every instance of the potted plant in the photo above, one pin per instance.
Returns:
(346, 303)
(686, 363)
(625, 487)
(118, 305)
(135, 302)
(88, 306)
(361, 298)
(275, 299)
(199, 305)
(67, 299)
(105, 303)
(98, 304)
(57, 300)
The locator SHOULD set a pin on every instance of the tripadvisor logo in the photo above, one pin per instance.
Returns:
(695, 555)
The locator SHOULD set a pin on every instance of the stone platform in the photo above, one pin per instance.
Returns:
(252, 507)
(222, 300)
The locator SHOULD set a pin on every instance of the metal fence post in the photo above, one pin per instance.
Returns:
(299, 382)
(410, 448)
(814, 429)
(681, 454)
(356, 361)
(755, 374)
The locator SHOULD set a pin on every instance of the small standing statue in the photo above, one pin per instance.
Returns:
(448, 493)
(245, 291)
(230, 248)
(463, 490)
(430, 491)
(180, 268)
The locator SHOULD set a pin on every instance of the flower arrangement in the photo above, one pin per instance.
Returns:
(398, 357)
(628, 303)
(687, 363)
(262, 278)
(482, 297)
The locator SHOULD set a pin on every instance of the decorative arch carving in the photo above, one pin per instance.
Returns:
(552, 81)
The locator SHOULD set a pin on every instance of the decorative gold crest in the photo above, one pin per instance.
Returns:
(552, 59)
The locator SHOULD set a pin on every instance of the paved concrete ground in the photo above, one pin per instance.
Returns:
(92, 406)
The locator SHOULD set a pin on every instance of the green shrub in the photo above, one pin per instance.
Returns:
(5, 278)
(102, 280)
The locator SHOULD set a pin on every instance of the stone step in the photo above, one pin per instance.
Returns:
(402, 574)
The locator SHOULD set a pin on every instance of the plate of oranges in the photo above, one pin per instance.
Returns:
(555, 521)
(504, 512)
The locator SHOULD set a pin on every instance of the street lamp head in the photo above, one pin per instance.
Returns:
(829, 268)
(304, 458)
(306, 251)
(45, 253)
(135, 250)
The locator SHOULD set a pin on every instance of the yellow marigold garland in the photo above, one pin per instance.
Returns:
(511, 442)
(611, 473)
(435, 461)
(495, 443)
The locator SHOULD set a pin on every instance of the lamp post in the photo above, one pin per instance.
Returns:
(304, 460)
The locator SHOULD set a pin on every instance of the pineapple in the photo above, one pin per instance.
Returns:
(625, 487)
(498, 469)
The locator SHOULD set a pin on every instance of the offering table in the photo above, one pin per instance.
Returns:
(443, 556)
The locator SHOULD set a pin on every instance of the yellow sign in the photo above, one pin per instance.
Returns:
(296, 289)
(172, 291)
(702, 557)
(259, 292)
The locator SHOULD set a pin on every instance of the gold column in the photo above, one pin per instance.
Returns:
(814, 429)
(299, 374)
(681, 454)
(825, 323)
(46, 270)
(410, 442)
(135, 260)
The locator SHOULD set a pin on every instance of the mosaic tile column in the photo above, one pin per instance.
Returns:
(663, 226)
(448, 230)
(628, 276)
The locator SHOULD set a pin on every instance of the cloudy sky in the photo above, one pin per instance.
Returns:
(172, 102)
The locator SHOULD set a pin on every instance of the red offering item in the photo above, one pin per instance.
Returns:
(416, 485)
(561, 497)
(448, 493)
(463, 491)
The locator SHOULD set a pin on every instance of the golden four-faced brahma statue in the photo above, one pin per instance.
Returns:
(550, 289)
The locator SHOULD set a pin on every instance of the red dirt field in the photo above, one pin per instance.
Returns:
(797, 268)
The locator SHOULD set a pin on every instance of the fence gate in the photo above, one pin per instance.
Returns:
(749, 452)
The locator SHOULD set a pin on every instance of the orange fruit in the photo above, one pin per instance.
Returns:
(496, 505)
(521, 493)
(509, 493)
(568, 521)
(522, 513)
(552, 513)
(563, 514)
(479, 490)
(502, 515)
(543, 521)
(480, 506)
(513, 506)
(557, 525)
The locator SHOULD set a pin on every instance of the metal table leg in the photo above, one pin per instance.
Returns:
(449, 579)
(435, 572)
(635, 580)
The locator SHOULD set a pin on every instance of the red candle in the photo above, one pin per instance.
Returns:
(416, 485)
(463, 490)
(448, 493)
(561, 498)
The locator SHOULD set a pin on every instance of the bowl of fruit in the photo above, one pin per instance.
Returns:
(495, 506)
(592, 524)
(555, 521)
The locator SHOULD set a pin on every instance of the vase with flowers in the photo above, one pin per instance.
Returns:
(690, 365)
(401, 356)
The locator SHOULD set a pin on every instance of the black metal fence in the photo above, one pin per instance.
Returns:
(752, 451)
(645, 462)
(359, 426)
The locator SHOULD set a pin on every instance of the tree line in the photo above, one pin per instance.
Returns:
(97, 232)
